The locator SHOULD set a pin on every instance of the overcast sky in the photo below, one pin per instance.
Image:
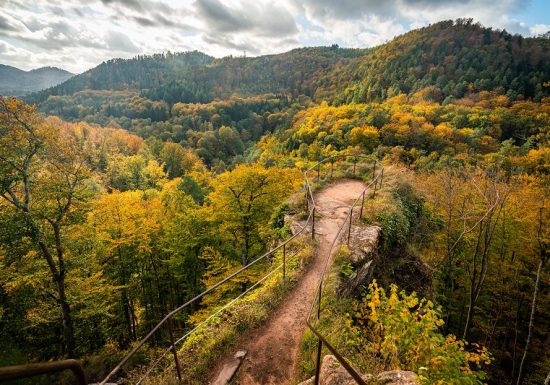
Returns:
(79, 34)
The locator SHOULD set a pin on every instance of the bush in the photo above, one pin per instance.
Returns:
(400, 331)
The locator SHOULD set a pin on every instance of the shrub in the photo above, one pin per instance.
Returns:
(400, 331)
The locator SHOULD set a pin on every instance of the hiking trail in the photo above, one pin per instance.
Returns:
(273, 348)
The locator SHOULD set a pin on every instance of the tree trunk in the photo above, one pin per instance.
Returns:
(531, 322)
(59, 281)
(68, 328)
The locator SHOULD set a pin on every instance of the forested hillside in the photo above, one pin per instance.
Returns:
(14, 81)
(195, 77)
(132, 187)
(451, 59)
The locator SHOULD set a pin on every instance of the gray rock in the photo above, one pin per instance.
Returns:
(332, 373)
(364, 253)
(364, 243)
(230, 369)
(364, 274)
(397, 377)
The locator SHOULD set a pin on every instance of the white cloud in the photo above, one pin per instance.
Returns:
(539, 29)
(79, 34)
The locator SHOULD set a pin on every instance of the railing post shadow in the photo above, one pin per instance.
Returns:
(362, 204)
(174, 350)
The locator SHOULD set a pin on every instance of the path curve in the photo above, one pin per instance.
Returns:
(274, 347)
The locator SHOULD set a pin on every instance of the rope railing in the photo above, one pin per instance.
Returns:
(326, 166)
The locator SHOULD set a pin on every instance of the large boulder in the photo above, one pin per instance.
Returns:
(364, 252)
(364, 244)
(397, 377)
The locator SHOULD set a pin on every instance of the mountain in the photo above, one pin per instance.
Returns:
(448, 60)
(196, 77)
(141, 72)
(14, 81)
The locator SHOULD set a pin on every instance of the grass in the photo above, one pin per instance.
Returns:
(219, 335)
(334, 308)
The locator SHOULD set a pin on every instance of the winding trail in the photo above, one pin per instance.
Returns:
(274, 347)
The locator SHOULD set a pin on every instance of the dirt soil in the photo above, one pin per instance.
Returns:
(274, 347)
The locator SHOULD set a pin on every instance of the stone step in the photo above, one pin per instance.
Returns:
(230, 369)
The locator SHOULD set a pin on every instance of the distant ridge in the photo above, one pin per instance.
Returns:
(445, 61)
(14, 81)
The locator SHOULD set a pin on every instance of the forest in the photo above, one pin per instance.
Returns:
(131, 188)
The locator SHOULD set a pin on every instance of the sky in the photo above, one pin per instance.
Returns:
(77, 35)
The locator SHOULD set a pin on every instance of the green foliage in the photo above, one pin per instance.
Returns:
(221, 332)
(189, 186)
(437, 63)
(399, 331)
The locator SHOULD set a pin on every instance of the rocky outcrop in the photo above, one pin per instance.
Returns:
(364, 251)
(332, 373)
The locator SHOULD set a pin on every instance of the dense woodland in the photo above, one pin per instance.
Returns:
(130, 188)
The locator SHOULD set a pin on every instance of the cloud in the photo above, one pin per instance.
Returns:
(118, 41)
(132, 4)
(79, 34)
(539, 29)
(7, 23)
(264, 19)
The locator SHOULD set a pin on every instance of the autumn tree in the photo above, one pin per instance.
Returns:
(43, 180)
(242, 203)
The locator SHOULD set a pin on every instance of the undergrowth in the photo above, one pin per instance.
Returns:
(217, 336)
(397, 330)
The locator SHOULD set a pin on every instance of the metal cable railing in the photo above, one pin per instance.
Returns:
(327, 166)
(167, 320)
(317, 298)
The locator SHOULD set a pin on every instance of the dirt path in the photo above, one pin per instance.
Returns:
(273, 348)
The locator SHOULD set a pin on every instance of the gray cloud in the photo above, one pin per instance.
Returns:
(132, 4)
(391, 9)
(120, 42)
(262, 19)
(225, 41)
(220, 17)
(144, 21)
(9, 25)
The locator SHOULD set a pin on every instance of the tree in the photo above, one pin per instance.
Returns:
(542, 240)
(242, 203)
(178, 160)
(42, 179)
